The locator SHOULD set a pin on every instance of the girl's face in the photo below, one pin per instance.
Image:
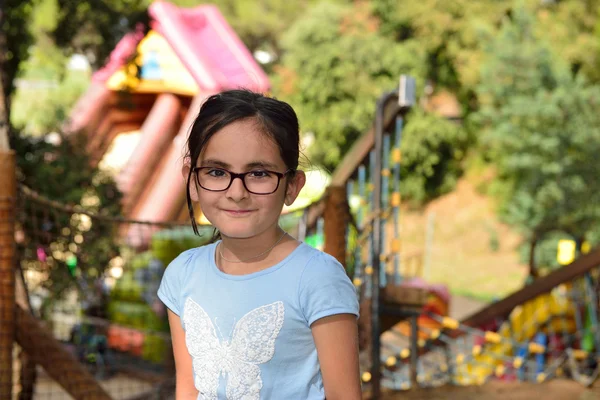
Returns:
(242, 147)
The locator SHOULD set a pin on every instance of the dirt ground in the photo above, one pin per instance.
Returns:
(498, 390)
(471, 251)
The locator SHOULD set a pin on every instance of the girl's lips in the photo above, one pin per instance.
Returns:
(238, 213)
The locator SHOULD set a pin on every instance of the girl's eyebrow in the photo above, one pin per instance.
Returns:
(261, 164)
(216, 163)
(250, 165)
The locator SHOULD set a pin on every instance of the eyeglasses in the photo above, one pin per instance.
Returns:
(255, 182)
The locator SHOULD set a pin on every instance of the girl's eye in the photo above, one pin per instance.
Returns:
(259, 174)
(217, 173)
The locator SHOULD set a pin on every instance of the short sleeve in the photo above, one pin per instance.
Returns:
(326, 290)
(170, 285)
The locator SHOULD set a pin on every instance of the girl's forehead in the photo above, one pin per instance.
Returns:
(242, 143)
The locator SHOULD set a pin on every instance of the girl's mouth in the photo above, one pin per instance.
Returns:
(237, 213)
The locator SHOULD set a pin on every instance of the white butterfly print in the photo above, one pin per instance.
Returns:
(252, 343)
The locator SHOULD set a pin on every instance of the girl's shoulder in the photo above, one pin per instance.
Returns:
(325, 288)
(187, 259)
(321, 265)
(179, 271)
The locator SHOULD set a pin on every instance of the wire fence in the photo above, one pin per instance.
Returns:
(88, 321)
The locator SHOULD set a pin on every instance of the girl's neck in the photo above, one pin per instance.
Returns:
(243, 249)
(244, 256)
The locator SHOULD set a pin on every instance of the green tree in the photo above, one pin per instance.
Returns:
(260, 24)
(448, 31)
(61, 172)
(572, 27)
(541, 129)
(335, 66)
(49, 89)
(93, 28)
(433, 149)
(453, 32)
(42, 106)
(14, 42)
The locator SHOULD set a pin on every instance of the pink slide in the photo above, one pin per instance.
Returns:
(164, 198)
(157, 132)
(208, 47)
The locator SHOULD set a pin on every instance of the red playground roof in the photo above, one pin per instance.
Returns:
(204, 42)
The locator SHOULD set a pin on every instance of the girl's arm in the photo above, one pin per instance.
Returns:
(184, 378)
(336, 339)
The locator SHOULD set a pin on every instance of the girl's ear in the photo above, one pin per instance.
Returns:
(192, 187)
(294, 186)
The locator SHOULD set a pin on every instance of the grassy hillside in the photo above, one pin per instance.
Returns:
(471, 251)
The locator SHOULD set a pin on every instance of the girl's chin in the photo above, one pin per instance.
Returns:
(238, 232)
(241, 231)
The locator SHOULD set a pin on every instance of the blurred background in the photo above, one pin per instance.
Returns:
(489, 179)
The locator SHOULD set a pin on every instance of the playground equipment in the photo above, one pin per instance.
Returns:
(548, 329)
(139, 107)
(391, 294)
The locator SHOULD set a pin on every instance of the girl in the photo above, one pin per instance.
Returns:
(257, 314)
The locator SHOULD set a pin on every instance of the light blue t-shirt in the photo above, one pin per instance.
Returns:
(249, 335)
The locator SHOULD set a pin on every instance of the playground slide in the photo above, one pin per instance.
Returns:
(157, 132)
(221, 49)
(162, 200)
(88, 109)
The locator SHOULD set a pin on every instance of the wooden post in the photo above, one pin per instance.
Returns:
(27, 368)
(533, 272)
(336, 215)
(8, 191)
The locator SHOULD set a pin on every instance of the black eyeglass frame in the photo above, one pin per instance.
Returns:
(242, 177)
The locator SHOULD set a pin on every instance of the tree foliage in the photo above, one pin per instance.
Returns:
(541, 129)
(573, 29)
(15, 39)
(453, 33)
(93, 28)
(42, 106)
(63, 173)
(260, 24)
(335, 66)
(432, 151)
(545, 151)
(448, 31)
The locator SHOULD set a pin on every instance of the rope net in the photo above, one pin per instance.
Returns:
(89, 322)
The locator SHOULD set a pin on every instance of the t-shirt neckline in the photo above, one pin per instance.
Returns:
(252, 275)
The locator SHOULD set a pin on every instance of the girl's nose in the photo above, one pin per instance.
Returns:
(237, 191)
